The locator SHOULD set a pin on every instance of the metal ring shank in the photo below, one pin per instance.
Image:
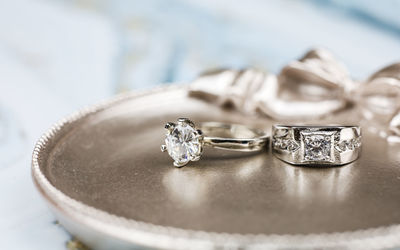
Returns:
(316, 145)
(233, 137)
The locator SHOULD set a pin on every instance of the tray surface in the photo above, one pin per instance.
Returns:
(110, 160)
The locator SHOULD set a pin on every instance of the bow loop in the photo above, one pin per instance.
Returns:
(379, 101)
(314, 86)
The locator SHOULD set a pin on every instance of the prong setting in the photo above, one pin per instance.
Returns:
(169, 126)
(196, 158)
(199, 135)
(185, 122)
(179, 164)
(183, 142)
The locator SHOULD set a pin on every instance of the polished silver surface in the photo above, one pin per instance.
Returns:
(101, 172)
(316, 145)
(184, 142)
(235, 137)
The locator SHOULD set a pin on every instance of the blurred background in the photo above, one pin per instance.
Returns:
(58, 56)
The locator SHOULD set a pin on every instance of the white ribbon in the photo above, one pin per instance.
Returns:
(314, 86)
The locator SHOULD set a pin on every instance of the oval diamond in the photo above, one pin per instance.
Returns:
(183, 144)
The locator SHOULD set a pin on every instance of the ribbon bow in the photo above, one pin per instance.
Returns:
(314, 86)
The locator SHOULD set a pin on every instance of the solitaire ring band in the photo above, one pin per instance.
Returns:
(184, 142)
(316, 145)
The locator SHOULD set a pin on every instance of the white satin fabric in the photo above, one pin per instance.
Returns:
(312, 87)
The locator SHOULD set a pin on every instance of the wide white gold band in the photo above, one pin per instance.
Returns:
(316, 145)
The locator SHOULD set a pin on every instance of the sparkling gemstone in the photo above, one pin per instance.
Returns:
(352, 144)
(278, 143)
(182, 144)
(284, 144)
(317, 147)
(293, 146)
(357, 142)
(281, 132)
(341, 146)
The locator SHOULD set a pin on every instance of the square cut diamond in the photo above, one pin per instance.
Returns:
(317, 146)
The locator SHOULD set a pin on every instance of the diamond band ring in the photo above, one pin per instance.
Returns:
(316, 145)
(184, 142)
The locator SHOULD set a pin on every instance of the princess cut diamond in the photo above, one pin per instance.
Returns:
(317, 146)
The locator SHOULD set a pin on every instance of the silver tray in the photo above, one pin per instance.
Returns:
(103, 174)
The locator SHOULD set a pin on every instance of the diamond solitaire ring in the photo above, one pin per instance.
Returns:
(316, 145)
(184, 142)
